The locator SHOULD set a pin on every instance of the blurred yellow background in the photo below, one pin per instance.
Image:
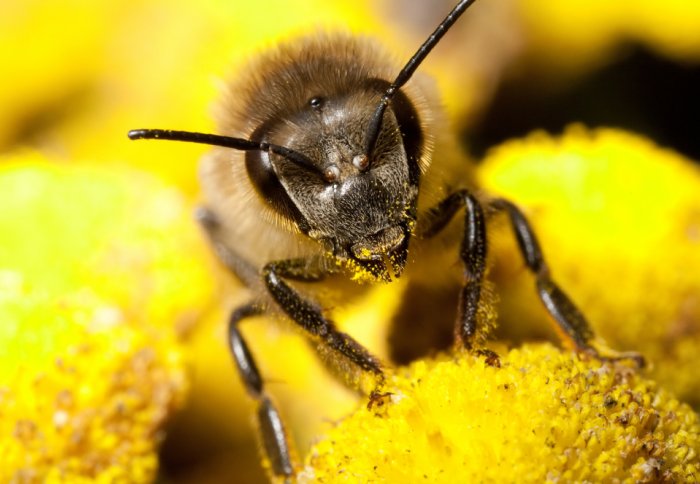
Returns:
(75, 76)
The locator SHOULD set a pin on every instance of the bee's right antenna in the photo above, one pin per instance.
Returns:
(226, 142)
(375, 123)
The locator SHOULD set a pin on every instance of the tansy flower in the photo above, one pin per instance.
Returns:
(619, 221)
(94, 296)
(543, 416)
(575, 35)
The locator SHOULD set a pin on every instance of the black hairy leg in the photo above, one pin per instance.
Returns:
(304, 313)
(309, 317)
(472, 252)
(270, 427)
(562, 309)
(273, 436)
(239, 266)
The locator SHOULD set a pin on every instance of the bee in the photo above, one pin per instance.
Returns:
(333, 162)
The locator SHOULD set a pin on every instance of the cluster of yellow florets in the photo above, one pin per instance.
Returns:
(94, 293)
(93, 410)
(543, 416)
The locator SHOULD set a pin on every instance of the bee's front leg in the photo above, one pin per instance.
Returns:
(473, 255)
(309, 317)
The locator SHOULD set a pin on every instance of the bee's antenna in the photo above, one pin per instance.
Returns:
(225, 141)
(375, 123)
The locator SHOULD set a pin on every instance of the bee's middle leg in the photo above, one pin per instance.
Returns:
(272, 433)
(275, 443)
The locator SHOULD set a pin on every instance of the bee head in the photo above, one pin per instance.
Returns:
(334, 148)
(360, 206)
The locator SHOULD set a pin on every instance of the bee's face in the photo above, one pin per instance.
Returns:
(329, 154)
(360, 208)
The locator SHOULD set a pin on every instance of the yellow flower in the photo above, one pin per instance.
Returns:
(577, 34)
(544, 416)
(76, 76)
(101, 270)
(619, 221)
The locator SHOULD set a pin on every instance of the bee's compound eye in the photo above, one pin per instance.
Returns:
(331, 174)
(316, 102)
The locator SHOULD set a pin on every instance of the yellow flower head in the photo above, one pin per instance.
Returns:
(544, 416)
(576, 34)
(618, 219)
(101, 269)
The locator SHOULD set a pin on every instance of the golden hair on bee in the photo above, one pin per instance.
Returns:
(345, 76)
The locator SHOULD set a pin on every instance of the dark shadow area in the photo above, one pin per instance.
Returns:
(641, 92)
(424, 324)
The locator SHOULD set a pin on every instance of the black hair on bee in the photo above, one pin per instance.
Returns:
(325, 171)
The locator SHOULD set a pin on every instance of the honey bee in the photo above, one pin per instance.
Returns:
(331, 166)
